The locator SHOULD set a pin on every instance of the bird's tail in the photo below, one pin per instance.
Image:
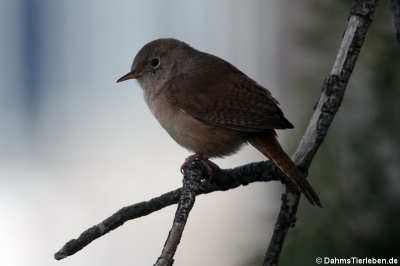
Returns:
(268, 145)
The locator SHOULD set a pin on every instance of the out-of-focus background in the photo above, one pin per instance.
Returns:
(75, 146)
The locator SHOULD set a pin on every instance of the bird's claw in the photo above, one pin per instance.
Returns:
(208, 165)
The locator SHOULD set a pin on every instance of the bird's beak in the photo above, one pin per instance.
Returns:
(130, 75)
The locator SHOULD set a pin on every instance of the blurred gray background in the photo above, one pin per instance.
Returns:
(75, 146)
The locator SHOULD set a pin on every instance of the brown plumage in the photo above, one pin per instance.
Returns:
(210, 107)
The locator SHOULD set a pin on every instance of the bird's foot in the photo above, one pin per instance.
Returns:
(196, 156)
(210, 167)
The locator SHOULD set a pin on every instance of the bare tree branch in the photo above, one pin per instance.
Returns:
(395, 8)
(192, 180)
(333, 89)
(223, 180)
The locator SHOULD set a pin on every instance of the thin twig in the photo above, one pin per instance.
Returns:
(395, 8)
(192, 181)
(225, 179)
(333, 89)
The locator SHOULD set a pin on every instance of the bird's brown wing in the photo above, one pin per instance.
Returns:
(234, 101)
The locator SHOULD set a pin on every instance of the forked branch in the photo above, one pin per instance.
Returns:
(224, 180)
(331, 97)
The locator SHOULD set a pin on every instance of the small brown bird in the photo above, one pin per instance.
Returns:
(210, 107)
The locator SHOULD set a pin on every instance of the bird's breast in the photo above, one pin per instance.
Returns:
(192, 133)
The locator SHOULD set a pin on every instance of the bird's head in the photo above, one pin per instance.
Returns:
(157, 62)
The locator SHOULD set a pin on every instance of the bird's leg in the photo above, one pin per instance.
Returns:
(209, 165)
(196, 156)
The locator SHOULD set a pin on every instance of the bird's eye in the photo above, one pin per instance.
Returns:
(155, 62)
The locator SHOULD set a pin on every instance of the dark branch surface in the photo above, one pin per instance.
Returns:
(192, 181)
(226, 179)
(333, 89)
(395, 8)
